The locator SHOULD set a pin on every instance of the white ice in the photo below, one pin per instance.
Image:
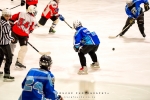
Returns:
(124, 74)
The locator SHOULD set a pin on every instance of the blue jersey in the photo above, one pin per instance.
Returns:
(38, 85)
(135, 9)
(84, 37)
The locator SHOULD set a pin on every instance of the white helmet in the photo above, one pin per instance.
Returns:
(77, 24)
(32, 9)
(129, 3)
(6, 11)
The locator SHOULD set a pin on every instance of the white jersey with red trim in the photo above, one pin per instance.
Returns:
(25, 23)
(50, 10)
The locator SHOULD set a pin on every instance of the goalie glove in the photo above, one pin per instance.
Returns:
(146, 6)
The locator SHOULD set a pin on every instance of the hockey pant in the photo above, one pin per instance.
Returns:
(43, 21)
(140, 22)
(90, 49)
(5, 50)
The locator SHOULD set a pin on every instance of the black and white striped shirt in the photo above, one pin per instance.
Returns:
(5, 32)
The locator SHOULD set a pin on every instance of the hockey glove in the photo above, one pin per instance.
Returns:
(146, 6)
(75, 49)
(132, 21)
(22, 3)
(60, 97)
(61, 18)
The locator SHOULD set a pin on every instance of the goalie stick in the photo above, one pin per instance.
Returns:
(112, 37)
(41, 53)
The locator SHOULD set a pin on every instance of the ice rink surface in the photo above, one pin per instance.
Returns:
(124, 74)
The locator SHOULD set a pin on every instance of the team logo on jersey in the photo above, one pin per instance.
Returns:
(53, 80)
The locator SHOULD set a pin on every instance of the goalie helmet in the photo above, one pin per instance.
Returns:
(6, 11)
(129, 3)
(45, 62)
(32, 10)
(77, 24)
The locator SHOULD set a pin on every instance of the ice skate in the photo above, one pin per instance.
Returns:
(143, 34)
(51, 31)
(8, 78)
(95, 65)
(19, 65)
(83, 71)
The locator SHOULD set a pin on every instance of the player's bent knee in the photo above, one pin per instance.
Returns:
(42, 21)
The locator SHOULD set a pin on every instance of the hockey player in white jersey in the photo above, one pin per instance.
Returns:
(51, 12)
(24, 24)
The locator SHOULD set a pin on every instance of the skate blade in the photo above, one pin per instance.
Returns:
(51, 33)
(82, 73)
(19, 68)
(95, 67)
(112, 37)
(8, 80)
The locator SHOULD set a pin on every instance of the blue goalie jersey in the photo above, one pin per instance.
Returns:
(84, 37)
(135, 9)
(38, 85)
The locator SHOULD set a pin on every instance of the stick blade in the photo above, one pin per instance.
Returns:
(44, 53)
(112, 37)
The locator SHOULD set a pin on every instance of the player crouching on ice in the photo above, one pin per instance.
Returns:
(39, 82)
(85, 42)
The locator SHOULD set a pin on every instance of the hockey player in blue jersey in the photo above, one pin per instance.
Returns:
(133, 10)
(39, 82)
(85, 42)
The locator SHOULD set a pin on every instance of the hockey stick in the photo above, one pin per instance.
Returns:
(68, 25)
(15, 7)
(112, 37)
(42, 53)
(12, 7)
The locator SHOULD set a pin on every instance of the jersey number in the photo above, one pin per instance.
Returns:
(22, 23)
(29, 85)
(133, 10)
